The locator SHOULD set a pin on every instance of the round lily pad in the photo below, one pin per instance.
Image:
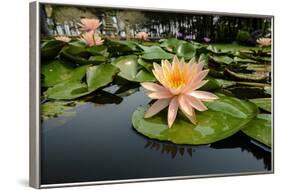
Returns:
(225, 117)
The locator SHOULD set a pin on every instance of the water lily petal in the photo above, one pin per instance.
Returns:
(202, 95)
(172, 111)
(196, 103)
(194, 86)
(201, 75)
(160, 95)
(166, 67)
(199, 66)
(192, 61)
(156, 107)
(158, 72)
(153, 86)
(184, 105)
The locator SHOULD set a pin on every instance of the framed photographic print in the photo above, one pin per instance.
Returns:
(130, 94)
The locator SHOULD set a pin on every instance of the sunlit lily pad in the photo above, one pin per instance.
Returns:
(224, 117)
(128, 66)
(238, 59)
(96, 77)
(100, 75)
(186, 50)
(260, 129)
(155, 52)
(255, 76)
(170, 44)
(56, 72)
(214, 84)
(222, 59)
(67, 90)
(267, 90)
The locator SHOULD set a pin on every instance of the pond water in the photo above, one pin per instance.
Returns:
(97, 142)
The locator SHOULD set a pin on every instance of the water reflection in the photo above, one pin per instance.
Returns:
(169, 149)
(237, 141)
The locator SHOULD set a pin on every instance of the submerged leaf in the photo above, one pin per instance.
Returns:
(57, 108)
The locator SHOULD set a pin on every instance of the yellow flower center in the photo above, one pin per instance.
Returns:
(176, 80)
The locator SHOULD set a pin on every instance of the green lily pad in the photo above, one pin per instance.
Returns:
(259, 129)
(50, 48)
(100, 75)
(98, 59)
(216, 50)
(98, 50)
(214, 84)
(155, 52)
(238, 59)
(263, 103)
(186, 50)
(145, 76)
(255, 76)
(67, 90)
(147, 65)
(128, 66)
(225, 117)
(120, 47)
(222, 59)
(56, 72)
(203, 58)
(267, 90)
(170, 44)
(75, 59)
(76, 47)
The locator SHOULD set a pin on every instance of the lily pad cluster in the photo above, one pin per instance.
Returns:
(72, 71)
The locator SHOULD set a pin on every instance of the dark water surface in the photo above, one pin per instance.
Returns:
(98, 142)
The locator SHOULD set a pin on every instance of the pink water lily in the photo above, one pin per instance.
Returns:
(91, 39)
(88, 24)
(63, 38)
(142, 36)
(263, 42)
(178, 89)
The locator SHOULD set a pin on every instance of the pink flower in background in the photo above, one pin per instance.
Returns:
(88, 24)
(142, 36)
(206, 39)
(178, 90)
(263, 42)
(63, 38)
(91, 39)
